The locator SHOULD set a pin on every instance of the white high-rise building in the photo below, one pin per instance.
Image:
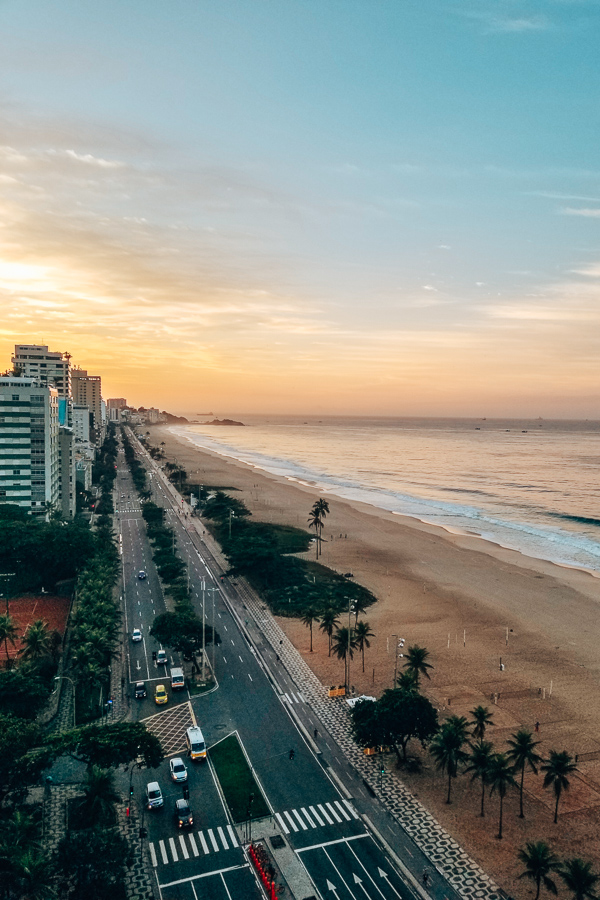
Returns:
(29, 444)
(46, 366)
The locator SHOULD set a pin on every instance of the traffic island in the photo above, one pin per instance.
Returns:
(243, 795)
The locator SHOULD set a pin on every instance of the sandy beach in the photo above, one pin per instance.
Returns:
(473, 605)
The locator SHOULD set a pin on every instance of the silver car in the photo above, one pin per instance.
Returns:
(178, 770)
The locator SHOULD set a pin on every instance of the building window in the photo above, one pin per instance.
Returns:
(2, 493)
(16, 471)
(15, 396)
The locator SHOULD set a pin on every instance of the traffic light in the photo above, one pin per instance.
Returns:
(186, 792)
(292, 754)
(131, 790)
(382, 768)
(143, 832)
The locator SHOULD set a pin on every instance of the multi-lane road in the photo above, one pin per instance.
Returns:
(333, 852)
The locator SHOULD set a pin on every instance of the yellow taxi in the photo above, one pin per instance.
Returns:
(160, 694)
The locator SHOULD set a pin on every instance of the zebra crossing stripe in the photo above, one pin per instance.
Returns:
(300, 819)
(153, 855)
(325, 814)
(173, 850)
(351, 808)
(163, 852)
(307, 817)
(213, 840)
(290, 820)
(333, 812)
(223, 838)
(316, 815)
(286, 830)
(184, 849)
(232, 837)
(342, 810)
(195, 850)
(203, 842)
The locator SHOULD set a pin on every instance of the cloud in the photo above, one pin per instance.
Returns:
(518, 25)
(586, 213)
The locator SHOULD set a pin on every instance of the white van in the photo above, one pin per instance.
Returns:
(177, 679)
(195, 743)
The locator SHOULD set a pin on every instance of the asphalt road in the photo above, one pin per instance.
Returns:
(318, 821)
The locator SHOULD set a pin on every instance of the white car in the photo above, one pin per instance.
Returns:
(178, 770)
(154, 797)
(136, 635)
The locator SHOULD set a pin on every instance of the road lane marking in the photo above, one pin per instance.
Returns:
(223, 838)
(225, 886)
(195, 850)
(354, 837)
(351, 808)
(307, 817)
(224, 659)
(303, 825)
(205, 875)
(231, 639)
(213, 840)
(287, 698)
(340, 876)
(163, 852)
(240, 658)
(326, 815)
(291, 821)
(294, 697)
(282, 823)
(316, 815)
(184, 849)
(342, 810)
(232, 837)
(333, 812)
(153, 855)
(203, 842)
(250, 676)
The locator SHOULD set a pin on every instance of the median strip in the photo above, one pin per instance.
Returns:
(241, 790)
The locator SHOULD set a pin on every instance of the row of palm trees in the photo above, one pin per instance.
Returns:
(341, 641)
(37, 642)
(460, 744)
(540, 862)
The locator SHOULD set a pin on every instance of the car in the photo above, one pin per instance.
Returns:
(136, 635)
(160, 694)
(178, 770)
(161, 658)
(142, 575)
(195, 743)
(154, 797)
(183, 814)
(122, 496)
(140, 690)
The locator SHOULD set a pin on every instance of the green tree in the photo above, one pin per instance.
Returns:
(523, 754)
(22, 692)
(406, 682)
(362, 633)
(579, 878)
(35, 875)
(539, 861)
(447, 751)
(479, 765)
(100, 796)
(110, 745)
(36, 641)
(316, 520)
(406, 715)
(500, 777)
(309, 617)
(93, 863)
(8, 633)
(480, 721)
(343, 646)
(558, 767)
(416, 663)
(329, 621)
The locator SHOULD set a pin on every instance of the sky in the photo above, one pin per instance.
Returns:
(385, 207)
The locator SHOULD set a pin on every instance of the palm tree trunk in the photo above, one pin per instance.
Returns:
(521, 813)
(539, 884)
(449, 787)
(556, 808)
(482, 797)
(500, 823)
(311, 649)
(363, 657)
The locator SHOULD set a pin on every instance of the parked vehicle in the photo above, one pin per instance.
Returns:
(177, 679)
(154, 797)
(195, 743)
(140, 690)
(160, 694)
(178, 770)
(183, 814)
(136, 635)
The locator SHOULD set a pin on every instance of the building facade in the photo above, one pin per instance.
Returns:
(87, 391)
(46, 366)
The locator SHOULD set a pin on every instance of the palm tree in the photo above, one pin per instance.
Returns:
(406, 682)
(479, 764)
(500, 777)
(359, 606)
(522, 753)
(100, 796)
(35, 876)
(343, 646)
(446, 749)
(539, 861)
(329, 620)
(579, 878)
(36, 641)
(482, 717)
(309, 616)
(558, 767)
(362, 633)
(416, 662)
(316, 520)
(8, 632)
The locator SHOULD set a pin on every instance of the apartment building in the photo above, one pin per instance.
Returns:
(46, 366)
(87, 391)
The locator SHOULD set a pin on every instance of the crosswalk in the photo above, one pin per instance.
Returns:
(294, 820)
(211, 840)
(293, 697)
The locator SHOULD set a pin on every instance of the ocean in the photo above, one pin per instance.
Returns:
(532, 486)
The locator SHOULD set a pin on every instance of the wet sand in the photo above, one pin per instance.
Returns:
(473, 604)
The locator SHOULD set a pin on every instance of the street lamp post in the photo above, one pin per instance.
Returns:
(397, 646)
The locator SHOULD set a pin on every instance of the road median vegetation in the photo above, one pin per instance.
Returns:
(241, 791)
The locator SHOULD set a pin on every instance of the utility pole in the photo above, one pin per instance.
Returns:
(203, 629)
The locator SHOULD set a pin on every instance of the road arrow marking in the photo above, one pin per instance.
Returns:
(385, 875)
(358, 880)
(332, 887)
(138, 665)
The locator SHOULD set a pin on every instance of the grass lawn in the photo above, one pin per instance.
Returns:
(237, 781)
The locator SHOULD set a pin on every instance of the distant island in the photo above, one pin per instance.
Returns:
(223, 422)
